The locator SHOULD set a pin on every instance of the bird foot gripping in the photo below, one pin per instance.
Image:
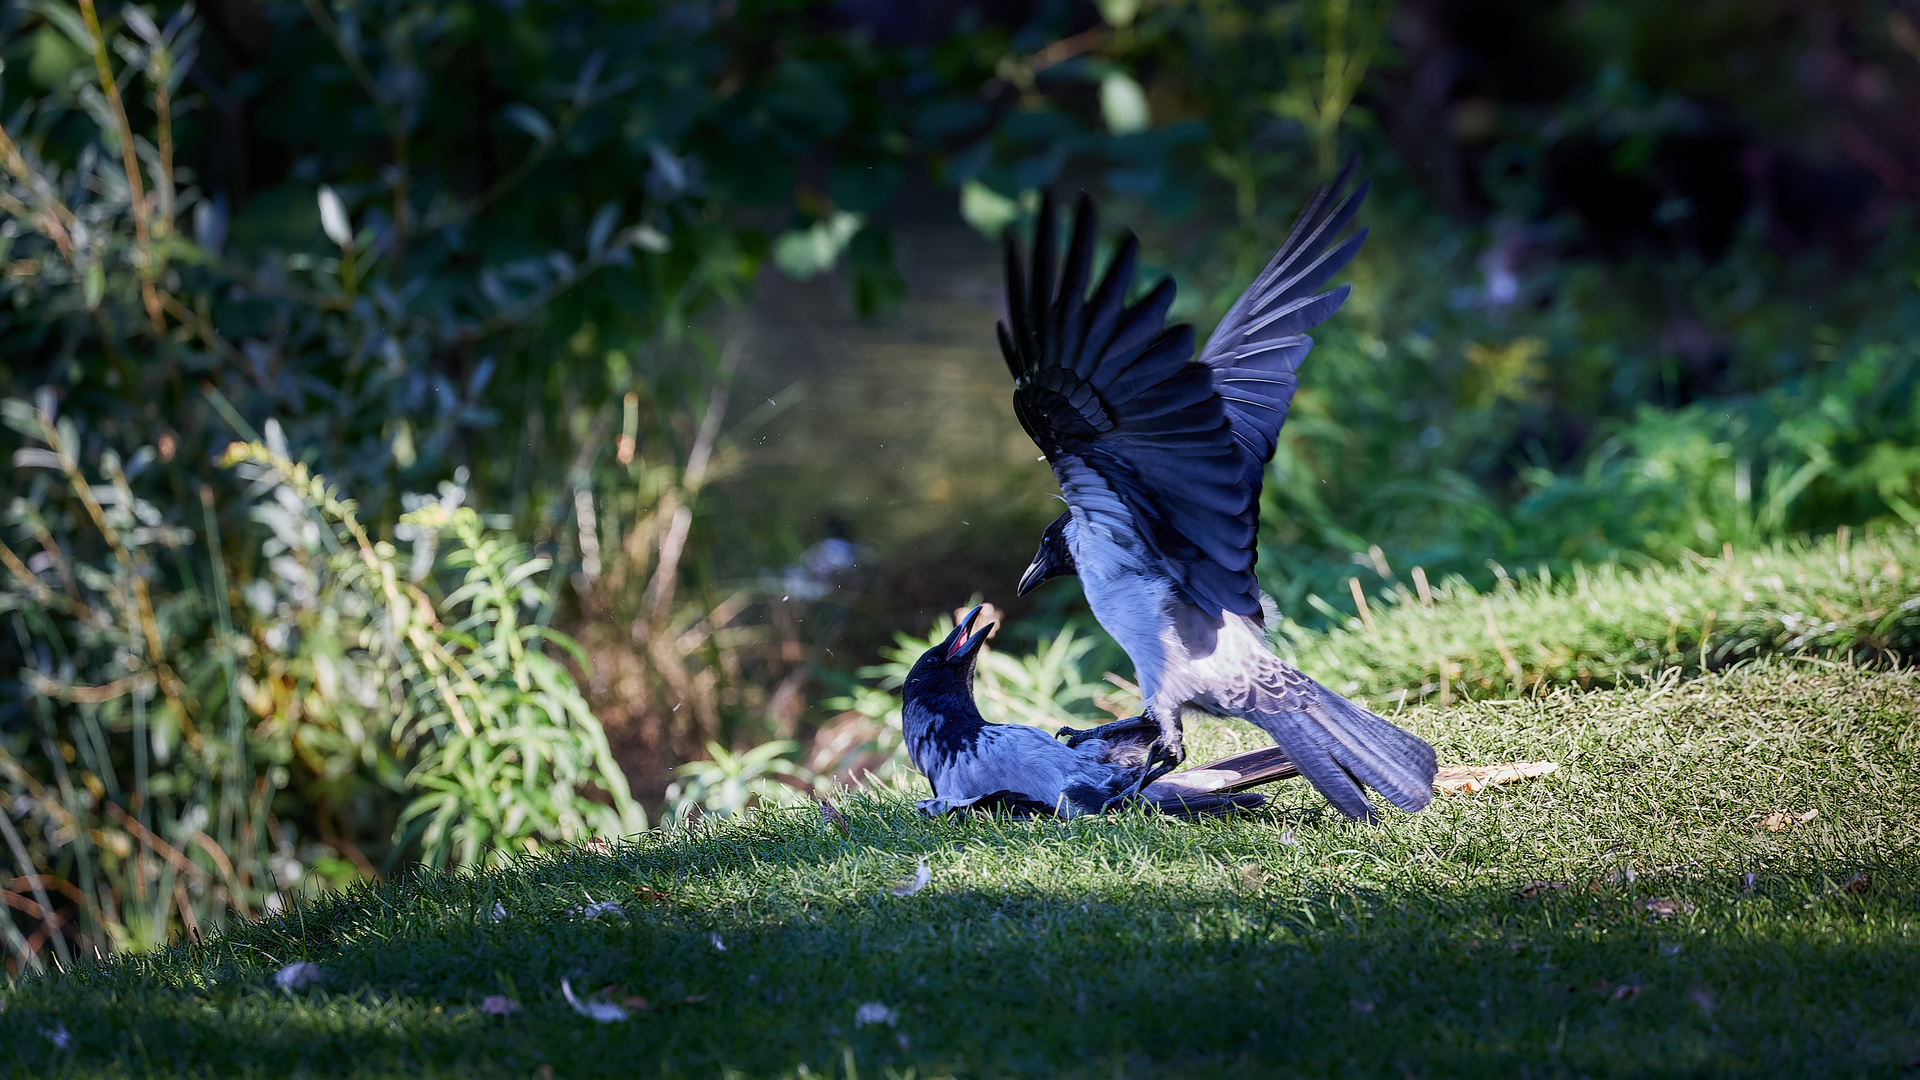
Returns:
(1131, 727)
(1162, 759)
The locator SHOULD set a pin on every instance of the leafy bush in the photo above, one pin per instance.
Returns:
(500, 741)
(148, 795)
(134, 794)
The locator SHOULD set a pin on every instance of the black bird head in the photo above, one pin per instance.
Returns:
(948, 666)
(1054, 559)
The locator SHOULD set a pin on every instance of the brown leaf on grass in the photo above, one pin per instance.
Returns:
(649, 896)
(831, 815)
(1781, 820)
(1252, 877)
(1624, 992)
(1467, 779)
(1540, 888)
(597, 845)
(1667, 909)
(1858, 883)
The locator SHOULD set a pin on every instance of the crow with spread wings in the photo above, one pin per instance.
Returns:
(1160, 458)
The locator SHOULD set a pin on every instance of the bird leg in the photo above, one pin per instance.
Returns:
(1167, 750)
(1162, 760)
(1118, 730)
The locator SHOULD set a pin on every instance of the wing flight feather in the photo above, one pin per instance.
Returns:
(1175, 444)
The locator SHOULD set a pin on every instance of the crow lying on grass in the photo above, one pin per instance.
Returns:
(973, 764)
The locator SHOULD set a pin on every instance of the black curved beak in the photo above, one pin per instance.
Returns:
(1036, 573)
(965, 639)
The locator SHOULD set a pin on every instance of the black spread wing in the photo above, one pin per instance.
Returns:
(1105, 387)
(1257, 347)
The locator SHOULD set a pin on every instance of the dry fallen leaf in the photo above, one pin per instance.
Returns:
(1858, 883)
(1468, 779)
(1540, 888)
(597, 845)
(1780, 820)
(1252, 877)
(1667, 909)
(649, 896)
(831, 815)
(1625, 992)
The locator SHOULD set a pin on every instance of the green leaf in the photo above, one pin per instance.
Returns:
(807, 253)
(94, 288)
(528, 119)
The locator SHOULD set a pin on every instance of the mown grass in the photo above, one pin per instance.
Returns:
(1847, 595)
(1283, 941)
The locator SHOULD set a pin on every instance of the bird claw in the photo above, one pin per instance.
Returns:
(1162, 760)
(1113, 729)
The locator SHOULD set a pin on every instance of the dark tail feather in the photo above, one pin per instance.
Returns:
(1211, 804)
(1215, 788)
(1237, 772)
(1338, 746)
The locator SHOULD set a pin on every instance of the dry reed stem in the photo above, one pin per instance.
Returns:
(130, 162)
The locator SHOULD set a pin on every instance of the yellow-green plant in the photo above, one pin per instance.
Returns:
(505, 753)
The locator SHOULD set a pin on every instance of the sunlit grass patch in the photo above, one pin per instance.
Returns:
(1840, 596)
(1598, 920)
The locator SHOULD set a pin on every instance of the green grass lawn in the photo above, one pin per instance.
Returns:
(1283, 941)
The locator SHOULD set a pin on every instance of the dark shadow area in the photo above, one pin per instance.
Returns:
(1812, 971)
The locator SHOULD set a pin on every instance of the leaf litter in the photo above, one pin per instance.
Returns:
(1468, 779)
(1782, 820)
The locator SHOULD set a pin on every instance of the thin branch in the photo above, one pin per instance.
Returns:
(88, 695)
(389, 114)
(673, 544)
(37, 588)
(354, 64)
(170, 683)
(19, 850)
(130, 161)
